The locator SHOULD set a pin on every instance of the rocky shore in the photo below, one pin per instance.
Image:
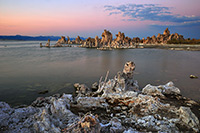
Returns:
(106, 42)
(111, 105)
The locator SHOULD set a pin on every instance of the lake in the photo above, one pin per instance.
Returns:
(26, 69)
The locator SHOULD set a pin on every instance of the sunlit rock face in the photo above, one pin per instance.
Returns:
(62, 40)
(106, 37)
(78, 40)
(163, 38)
(166, 32)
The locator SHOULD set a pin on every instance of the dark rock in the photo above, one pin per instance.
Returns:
(43, 92)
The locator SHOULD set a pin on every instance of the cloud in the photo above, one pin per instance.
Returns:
(111, 13)
(153, 12)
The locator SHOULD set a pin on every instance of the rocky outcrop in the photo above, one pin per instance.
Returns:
(163, 38)
(166, 32)
(136, 40)
(122, 41)
(78, 40)
(48, 43)
(62, 40)
(89, 43)
(97, 41)
(112, 108)
(120, 37)
(106, 38)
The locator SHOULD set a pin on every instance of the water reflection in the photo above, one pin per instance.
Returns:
(29, 69)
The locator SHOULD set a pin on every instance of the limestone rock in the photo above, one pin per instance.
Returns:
(136, 40)
(188, 119)
(129, 67)
(89, 43)
(48, 43)
(78, 40)
(97, 41)
(166, 32)
(116, 126)
(82, 89)
(169, 88)
(120, 37)
(5, 112)
(58, 45)
(62, 40)
(90, 102)
(152, 91)
(106, 38)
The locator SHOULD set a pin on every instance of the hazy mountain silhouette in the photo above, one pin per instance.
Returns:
(32, 38)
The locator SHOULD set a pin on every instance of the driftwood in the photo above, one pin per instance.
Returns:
(101, 85)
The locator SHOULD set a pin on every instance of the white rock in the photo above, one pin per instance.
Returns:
(169, 88)
(188, 119)
(89, 102)
(152, 91)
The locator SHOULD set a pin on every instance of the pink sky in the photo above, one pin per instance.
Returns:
(88, 18)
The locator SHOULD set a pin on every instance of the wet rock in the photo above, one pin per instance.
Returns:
(43, 92)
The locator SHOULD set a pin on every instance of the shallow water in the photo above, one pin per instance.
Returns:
(26, 69)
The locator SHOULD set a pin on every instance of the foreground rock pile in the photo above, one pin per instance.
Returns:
(117, 105)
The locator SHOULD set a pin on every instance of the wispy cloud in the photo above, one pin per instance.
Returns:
(153, 12)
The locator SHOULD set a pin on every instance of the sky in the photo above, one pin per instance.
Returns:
(136, 18)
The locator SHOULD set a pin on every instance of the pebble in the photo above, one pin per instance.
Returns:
(124, 107)
(117, 108)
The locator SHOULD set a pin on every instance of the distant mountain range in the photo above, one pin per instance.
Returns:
(33, 38)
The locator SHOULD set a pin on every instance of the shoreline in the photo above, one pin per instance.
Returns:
(178, 47)
(112, 105)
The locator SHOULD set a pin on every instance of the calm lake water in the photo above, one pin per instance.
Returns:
(26, 69)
